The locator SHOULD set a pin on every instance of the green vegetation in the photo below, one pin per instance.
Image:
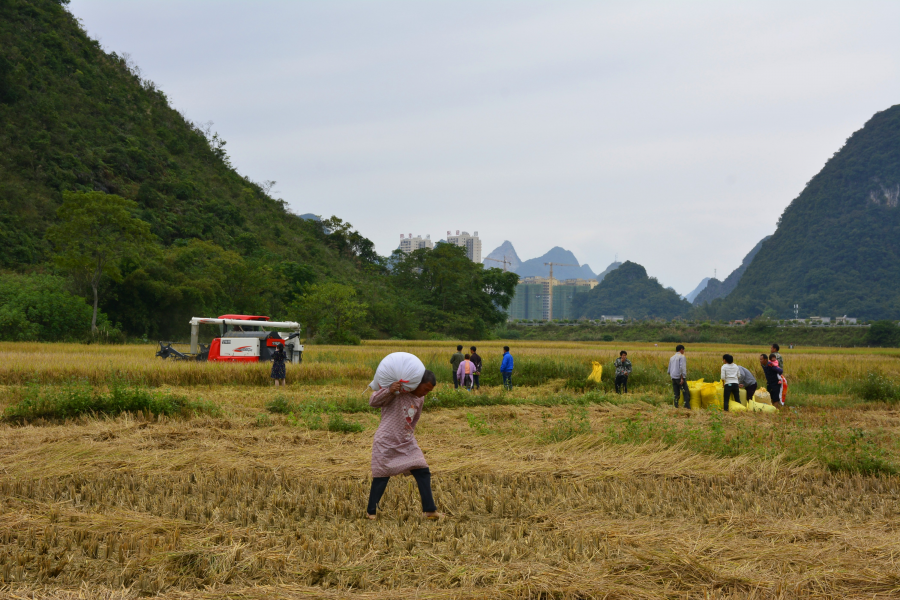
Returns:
(64, 402)
(836, 248)
(628, 291)
(44, 307)
(757, 333)
(89, 146)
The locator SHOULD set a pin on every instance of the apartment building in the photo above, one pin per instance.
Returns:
(408, 244)
(470, 242)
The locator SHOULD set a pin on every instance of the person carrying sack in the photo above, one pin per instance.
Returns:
(394, 447)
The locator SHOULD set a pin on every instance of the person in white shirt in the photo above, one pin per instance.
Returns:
(731, 374)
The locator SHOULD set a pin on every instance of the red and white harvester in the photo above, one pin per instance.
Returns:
(242, 338)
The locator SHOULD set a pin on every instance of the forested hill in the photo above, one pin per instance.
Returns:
(76, 119)
(629, 292)
(836, 250)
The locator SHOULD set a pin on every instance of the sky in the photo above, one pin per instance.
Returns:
(672, 134)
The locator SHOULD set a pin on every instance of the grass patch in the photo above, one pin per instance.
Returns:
(76, 399)
(833, 445)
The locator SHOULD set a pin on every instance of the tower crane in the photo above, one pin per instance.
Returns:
(550, 300)
(504, 261)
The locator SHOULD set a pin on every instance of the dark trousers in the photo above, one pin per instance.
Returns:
(732, 389)
(751, 389)
(423, 480)
(507, 380)
(455, 380)
(621, 383)
(466, 382)
(681, 388)
(775, 392)
(475, 378)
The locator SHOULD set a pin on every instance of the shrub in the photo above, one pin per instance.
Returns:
(877, 387)
(79, 399)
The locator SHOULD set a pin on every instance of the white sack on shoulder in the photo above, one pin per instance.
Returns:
(399, 366)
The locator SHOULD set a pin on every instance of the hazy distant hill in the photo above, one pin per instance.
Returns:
(719, 289)
(504, 250)
(702, 286)
(628, 291)
(612, 267)
(837, 247)
(535, 267)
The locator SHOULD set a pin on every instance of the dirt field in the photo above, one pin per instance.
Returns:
(549, 491)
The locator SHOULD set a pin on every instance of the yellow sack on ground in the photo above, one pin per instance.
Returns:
(712, 396)
(597, 373)
(694, 388)
(763, 397)
(736, 407)
(757, 407)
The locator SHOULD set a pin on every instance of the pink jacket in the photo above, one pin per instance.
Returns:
(461, 371)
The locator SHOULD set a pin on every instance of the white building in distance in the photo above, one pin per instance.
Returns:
(408, 244)
(470, 242)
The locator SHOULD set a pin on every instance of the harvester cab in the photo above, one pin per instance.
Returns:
(242, 338)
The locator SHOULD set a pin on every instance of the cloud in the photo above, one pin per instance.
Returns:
(673, 134)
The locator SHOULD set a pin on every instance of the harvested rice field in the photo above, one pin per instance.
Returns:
(222, 486)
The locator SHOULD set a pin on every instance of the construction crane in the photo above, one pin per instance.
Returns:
(550, 287)
(504, 261)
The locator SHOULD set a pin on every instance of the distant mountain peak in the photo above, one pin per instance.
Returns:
(504, 251)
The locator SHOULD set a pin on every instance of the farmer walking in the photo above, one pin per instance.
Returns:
(623, 370)
(773, 379)
(279, 371)
(678, 373)
(730, 379)
(506, 368)
(394, 448)
(476, 360)
(454, 361)
(466, 372)
(747, 381)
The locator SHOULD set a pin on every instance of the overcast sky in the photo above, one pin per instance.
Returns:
(673, 134)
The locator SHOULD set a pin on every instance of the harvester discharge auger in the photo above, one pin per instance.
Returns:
(242, 338)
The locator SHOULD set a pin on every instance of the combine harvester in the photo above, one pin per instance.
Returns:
(242, 338)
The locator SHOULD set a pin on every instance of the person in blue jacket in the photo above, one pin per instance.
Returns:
(506, 368)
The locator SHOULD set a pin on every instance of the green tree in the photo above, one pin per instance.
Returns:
(883, 333)
(95, 232)
(331, 312)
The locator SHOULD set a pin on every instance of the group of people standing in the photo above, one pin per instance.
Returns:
(466, 368)
(734, 377)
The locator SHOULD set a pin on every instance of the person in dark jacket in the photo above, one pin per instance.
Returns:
(476, 360)
(455, 360)
(279, 371)
(773, 381)
(623, 370)
(506, 368)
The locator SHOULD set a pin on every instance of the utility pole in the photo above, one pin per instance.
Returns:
(796, 312)
(550, 288)
(504, 261)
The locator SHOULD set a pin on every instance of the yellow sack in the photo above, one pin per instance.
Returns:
(763, 397)
(712, 396)
(757, 407)
(597, 373)
(694, 388)
(736, 407)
